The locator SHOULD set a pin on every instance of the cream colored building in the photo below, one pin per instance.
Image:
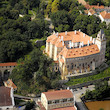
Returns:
(76, 52)
(57, 100)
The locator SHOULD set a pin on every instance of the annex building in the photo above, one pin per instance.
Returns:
(57, 100)
(75, 52)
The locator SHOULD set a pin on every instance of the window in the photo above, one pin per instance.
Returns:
(49, 102)
(64, 100)
(71, 99)
(56, 101)
(71, 65)
(67, 66)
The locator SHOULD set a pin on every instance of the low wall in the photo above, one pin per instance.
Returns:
(84, 84)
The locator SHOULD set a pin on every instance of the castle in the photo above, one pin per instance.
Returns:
(75, 52)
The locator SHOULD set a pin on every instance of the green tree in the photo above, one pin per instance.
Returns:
(55, 6)
(49, 7)
(36, 72)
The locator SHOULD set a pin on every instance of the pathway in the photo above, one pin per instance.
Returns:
(51, 27)
(78, 94)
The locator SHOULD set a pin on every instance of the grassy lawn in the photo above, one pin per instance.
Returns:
(105, 73)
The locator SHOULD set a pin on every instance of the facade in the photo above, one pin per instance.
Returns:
(6, 98)
(6, 69)
(105, 16)
(76, 52)
(58, 100)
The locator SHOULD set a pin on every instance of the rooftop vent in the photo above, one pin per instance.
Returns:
(63, 43)
(90, 38)
(75, 31)
(88, 43)
(62, 38)
(84, 35)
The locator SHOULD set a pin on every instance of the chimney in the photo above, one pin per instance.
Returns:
(90, 38)
(82, 44)
(93, 40)
(65, 32)
(63, 43)
(79, 45)
(57, 34)
(79, 30)
(88, 43)
(53, 32)
(75, 31)
(84, 35)
(70, 44)
(62, 38)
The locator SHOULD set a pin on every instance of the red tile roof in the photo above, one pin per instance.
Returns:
(94, 6)
(71, 36)
(65, 108)
(8, 64)
(60, 94)
(5, 99)
(105, 15)
(79, 52)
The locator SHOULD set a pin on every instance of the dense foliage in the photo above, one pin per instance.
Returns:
(102, 90)
(68, 15)
(35, 74)
(16, 31)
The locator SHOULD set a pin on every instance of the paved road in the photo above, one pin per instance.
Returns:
(78, 94)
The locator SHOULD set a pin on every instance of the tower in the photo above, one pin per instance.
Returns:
(101, 43)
